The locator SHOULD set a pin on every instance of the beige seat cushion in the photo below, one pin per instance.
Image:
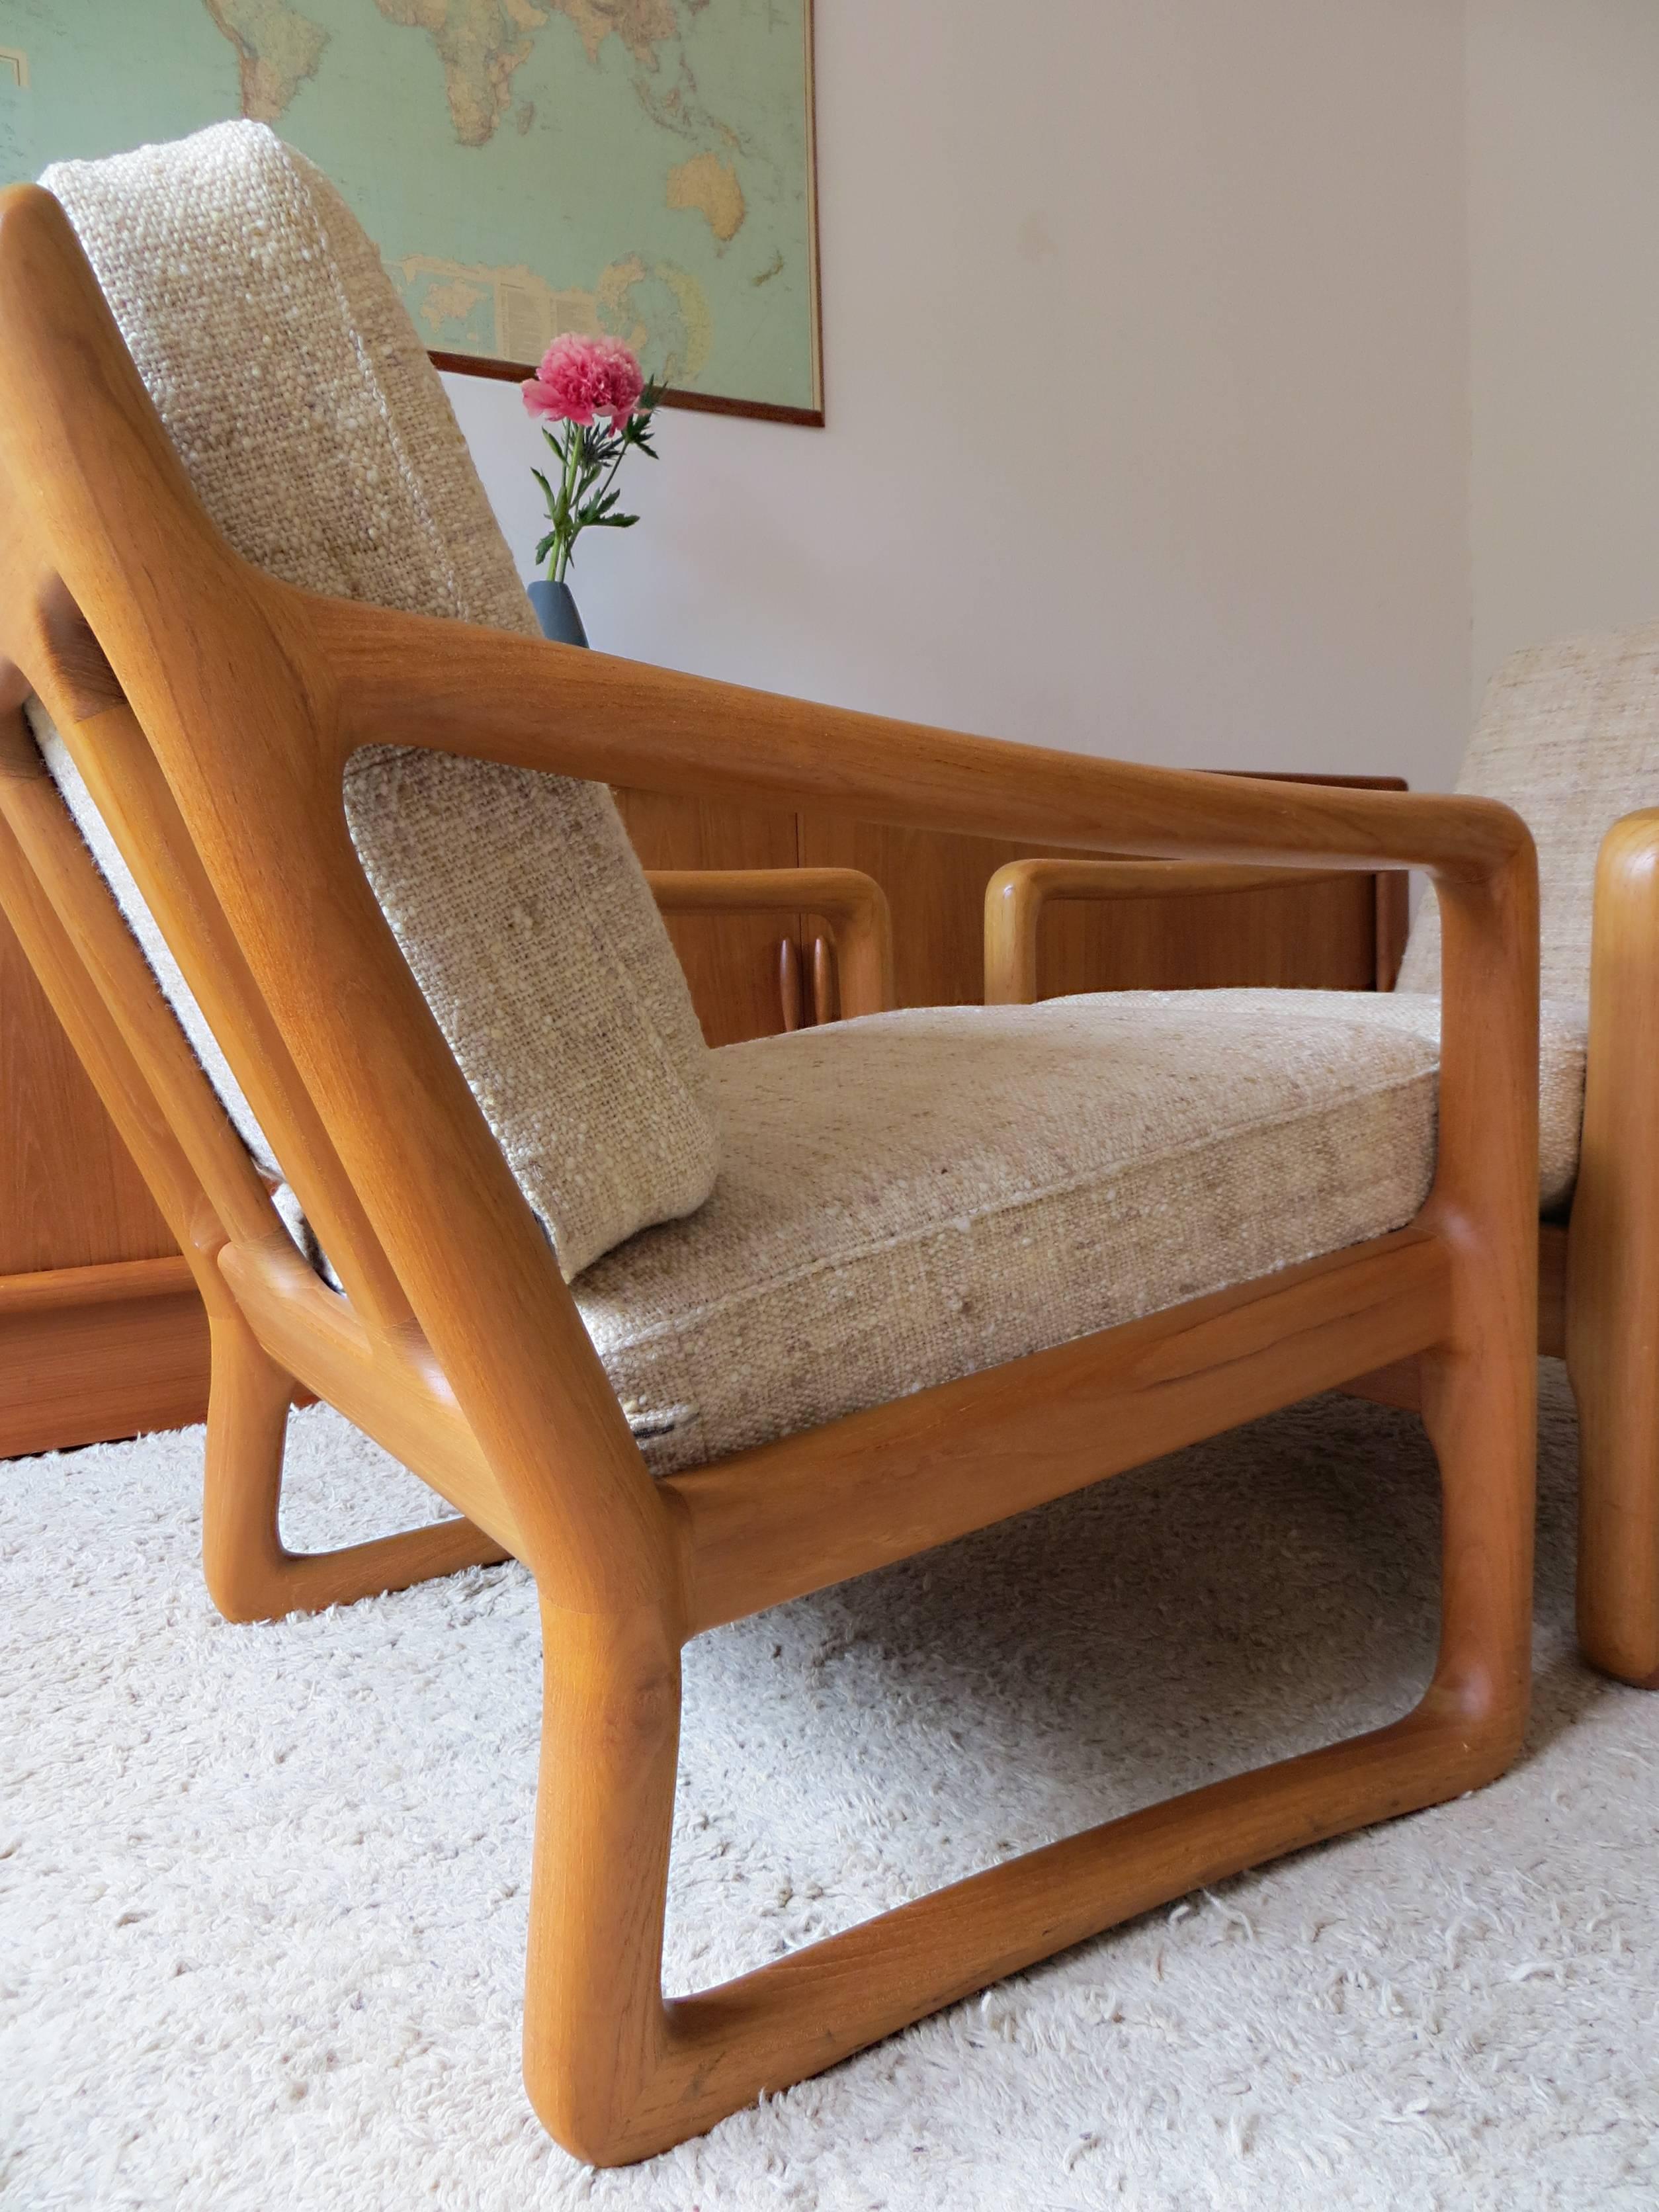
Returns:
(916, 1196)
(1563, 1044)
(317, 435)
(1569, 737)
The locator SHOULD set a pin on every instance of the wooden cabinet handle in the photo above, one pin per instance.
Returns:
(824, 995)
(789, 990)
(807, 994)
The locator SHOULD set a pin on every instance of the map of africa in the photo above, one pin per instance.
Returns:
(525, 167)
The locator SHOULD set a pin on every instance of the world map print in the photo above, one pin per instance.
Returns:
(640, 167)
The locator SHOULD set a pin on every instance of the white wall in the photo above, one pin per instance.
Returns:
(1564, 225)
(1146, 344)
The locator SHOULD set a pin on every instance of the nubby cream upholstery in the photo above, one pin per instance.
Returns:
(1569, 737)
(317, 437)
(917, 1196)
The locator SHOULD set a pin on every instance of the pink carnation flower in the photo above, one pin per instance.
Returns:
(582, 377)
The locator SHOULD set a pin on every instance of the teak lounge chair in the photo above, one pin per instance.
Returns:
(1569, 737)
(688, 1334)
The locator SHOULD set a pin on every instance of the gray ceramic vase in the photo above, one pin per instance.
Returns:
(556, 613)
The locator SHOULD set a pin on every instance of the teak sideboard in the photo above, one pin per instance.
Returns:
(101, 1334)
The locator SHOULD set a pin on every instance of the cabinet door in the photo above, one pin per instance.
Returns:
(70, 1194)
(101, 1332)
(1317, 935)
(732, 962)
(935, 885)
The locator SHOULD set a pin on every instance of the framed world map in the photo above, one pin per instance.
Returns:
(642, 167)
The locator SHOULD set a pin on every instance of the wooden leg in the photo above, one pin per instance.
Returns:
(1612, 1268)
(594, 2035)
(250, 1576)
(1482, 1422)
(1614, 1372)
(616, 2074)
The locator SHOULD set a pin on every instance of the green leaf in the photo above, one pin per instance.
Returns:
(546, 546)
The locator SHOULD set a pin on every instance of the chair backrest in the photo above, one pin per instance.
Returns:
(317, 437)
(1569, 737)
(213, 712)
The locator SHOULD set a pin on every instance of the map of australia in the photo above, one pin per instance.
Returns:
(526, 166)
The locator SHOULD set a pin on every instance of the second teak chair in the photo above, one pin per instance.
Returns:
(1569, 737)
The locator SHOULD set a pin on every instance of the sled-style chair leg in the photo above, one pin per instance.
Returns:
(618, 2074)
(250, 1574)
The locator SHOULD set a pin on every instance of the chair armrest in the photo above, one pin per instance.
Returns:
(853, 904)
(403, 679)
(1017, 894)
(389, 677)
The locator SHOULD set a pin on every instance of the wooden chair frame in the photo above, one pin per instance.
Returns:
(211, 711)
(1598, 1272)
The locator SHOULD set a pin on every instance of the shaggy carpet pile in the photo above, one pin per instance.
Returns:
(263, 1890)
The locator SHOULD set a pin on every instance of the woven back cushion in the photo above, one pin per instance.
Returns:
(1569, 737)
(319, 438)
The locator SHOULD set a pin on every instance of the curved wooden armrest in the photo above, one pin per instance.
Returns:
(1017, 894)
(398, 678)
(853, 904)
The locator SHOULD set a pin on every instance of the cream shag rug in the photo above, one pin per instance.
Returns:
(263, 1890)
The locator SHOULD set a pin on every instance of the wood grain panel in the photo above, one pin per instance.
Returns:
(70, 1194)
(1317, 935)
(83, 1374)
(1320, 935)
(935, 885)
(730, 961)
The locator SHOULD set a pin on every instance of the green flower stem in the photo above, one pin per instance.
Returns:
(588, 458)
(565, 536)
(621, 455)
